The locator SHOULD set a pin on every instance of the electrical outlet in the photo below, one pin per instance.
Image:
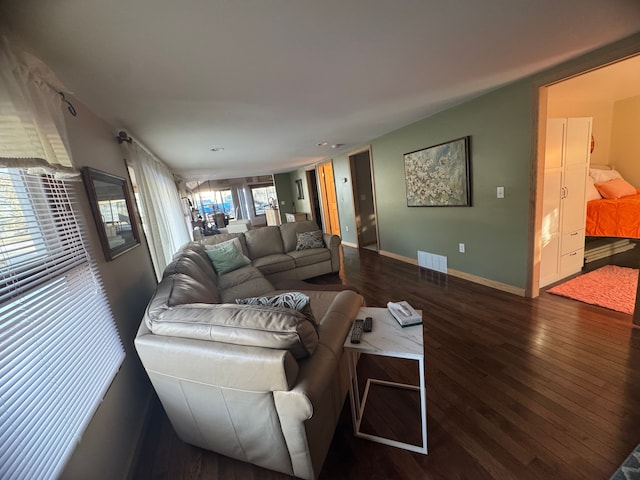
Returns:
(500, 192)
(346, 228)
(461, 247)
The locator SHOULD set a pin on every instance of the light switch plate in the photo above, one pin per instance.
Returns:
(500, 192)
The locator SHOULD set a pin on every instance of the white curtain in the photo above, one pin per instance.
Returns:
(164, 221)
(32, 127)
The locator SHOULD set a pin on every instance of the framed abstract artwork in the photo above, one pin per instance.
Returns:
(439, 176)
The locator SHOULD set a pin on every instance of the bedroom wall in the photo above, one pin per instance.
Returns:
(107, 447)
(600, 112)
(625, 143)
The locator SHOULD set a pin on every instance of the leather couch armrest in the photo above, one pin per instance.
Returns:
(241, 367)
(319, 370)
(332, 242)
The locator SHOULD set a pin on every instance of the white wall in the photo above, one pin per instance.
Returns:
(107, 447)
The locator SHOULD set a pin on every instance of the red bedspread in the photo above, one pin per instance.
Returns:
(618, 217)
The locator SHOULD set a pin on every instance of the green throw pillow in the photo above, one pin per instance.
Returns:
(227, 258)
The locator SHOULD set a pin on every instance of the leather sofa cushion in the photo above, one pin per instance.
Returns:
(274, 263)
(192, 265)
(242, 283)
(251, 325)
(180, 289)
(310, 256)
(239, 276)
(190, 247)
(250, 288)
(264, 241)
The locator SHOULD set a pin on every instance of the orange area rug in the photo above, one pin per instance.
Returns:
(610, 286)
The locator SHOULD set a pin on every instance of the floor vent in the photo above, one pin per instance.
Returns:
(432, 261)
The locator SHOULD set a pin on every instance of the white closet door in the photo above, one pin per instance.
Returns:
(576, 171)
(550, 235)
(551, 201)
(564, 206)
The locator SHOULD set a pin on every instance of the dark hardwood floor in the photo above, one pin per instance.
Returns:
(517, 388)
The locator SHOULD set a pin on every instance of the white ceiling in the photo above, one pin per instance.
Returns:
(269, 79)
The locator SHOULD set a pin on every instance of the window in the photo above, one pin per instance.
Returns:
(218, 201)
(263, 196)
(59, 349)
(20, 243)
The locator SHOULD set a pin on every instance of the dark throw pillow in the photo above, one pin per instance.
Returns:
(306, 240)
(294, 300)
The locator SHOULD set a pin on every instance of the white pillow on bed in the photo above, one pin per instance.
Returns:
(591, 192)
(601, 176)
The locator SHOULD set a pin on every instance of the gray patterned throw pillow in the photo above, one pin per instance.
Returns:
(294, 300)
(307, 240)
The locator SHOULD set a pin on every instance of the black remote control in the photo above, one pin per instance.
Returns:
(356, 332)
(368, 324)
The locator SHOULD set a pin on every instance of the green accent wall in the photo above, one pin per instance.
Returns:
(494, 231)
(282, 182)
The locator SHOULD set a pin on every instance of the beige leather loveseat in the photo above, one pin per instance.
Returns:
(262, 384)
(273, 250)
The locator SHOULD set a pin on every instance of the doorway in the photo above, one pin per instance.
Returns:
(600, 93)
(364, 204)
(314, 197)
(329, 202)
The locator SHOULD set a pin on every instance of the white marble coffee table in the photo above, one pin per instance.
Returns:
(389, 339)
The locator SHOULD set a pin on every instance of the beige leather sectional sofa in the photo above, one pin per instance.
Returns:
(261, 384)
(273, 251)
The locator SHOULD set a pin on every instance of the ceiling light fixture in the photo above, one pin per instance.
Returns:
(322, 144)
(217, 149)
(337, 145)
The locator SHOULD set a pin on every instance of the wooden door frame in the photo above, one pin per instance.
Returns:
(621, 50)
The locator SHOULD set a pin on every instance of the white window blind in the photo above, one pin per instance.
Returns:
(59, 348)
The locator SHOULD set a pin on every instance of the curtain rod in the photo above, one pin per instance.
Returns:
(124, 137)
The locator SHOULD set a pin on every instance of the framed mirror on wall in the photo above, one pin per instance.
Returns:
(113, 212)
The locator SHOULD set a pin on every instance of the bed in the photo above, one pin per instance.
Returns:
(613, 207)
(614, 217)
